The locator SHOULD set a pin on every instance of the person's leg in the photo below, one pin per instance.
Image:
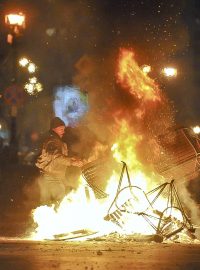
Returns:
(57, 191)
(45, 192)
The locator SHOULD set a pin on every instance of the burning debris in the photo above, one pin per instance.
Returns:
(169, 220)
(131, 207)
(157, 215)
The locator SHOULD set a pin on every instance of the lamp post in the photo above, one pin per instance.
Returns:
(16, 24)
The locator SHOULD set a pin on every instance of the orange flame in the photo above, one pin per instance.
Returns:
(132, 78)
(77, 211)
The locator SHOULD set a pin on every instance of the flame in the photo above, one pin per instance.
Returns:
(75, 212)
(131, 77)
(78, 210)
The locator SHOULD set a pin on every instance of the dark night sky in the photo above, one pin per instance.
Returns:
(161, 32)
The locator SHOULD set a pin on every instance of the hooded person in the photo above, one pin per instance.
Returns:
(53, 163)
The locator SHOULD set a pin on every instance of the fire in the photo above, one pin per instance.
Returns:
(77, 211)
(131, 77)
(129, 203)
(124, 150)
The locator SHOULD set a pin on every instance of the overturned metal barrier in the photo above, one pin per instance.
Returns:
(96, 177)
(180, 155)
(166, 223)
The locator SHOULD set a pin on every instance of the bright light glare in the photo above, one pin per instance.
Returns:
(196, 130)
(33, 80)
(33, 87)
(146, 69)
(31, 68)
(15, 19)
(170, 72)
(29, 87)
(38, 87)
(23, 62)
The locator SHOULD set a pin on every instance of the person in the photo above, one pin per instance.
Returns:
(53, 162)
(32, 148)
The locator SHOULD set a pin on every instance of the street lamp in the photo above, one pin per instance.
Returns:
(31, 68)
(16, 24)
(146, 69)
(23, 62)
(33, 87)
(196, 129)
(169, 72)
(16, 21)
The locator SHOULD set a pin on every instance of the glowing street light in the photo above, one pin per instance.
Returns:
(33, 80)
(38, 87)
(146, 69)
(31, 68)
(169, 72)
(29, 87)
(23, 62)
(33, 87)
(196, 129)
(15, 21)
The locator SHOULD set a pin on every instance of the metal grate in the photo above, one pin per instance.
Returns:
(180, 158)
(95, 175)
(163, 222)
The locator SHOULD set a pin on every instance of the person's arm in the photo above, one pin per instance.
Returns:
(59, 159)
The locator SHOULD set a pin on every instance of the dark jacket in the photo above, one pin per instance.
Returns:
(54, 159)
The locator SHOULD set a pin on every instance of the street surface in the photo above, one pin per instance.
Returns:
(91, 255)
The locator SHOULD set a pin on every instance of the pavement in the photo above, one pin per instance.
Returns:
(90, 255)
(18, 196)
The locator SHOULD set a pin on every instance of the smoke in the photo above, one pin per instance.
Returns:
(191, 206)
(110, 102)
